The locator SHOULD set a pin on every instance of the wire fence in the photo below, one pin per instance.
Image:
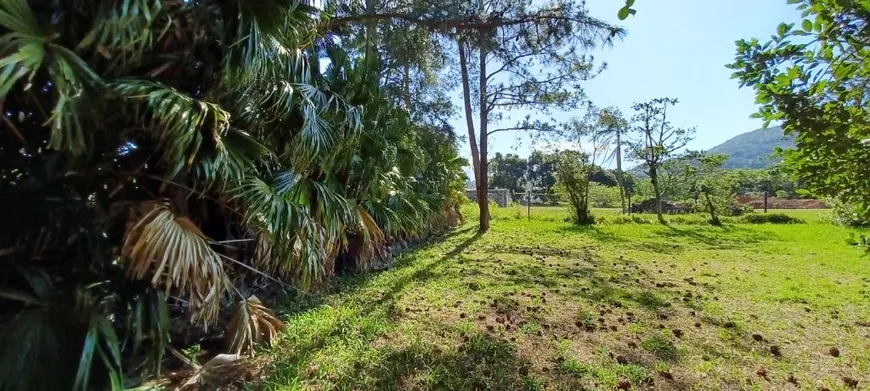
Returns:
(544, 204)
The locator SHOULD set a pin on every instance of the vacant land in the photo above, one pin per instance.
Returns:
(542, 304)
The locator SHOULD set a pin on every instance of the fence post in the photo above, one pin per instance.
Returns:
(529, 205)
(765, 202)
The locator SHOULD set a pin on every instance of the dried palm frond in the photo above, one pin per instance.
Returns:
(371, 228)
(177, 255)
(222, 370)
(371, 246)
(252, 323)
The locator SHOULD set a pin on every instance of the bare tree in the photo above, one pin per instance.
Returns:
(654, 140)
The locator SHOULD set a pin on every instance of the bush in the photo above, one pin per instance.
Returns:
(649, 206)
(601, 196)
(624, 219)
(771, 218)
(860, 242)
(588, 220)
(850, 215)
(738, 209)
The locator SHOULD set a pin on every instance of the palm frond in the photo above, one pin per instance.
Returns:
(218, 373)
(300, 219)
(252, 324)
(100, 341)
(26, 49)
(184, 125)
(373, 238)
(236, 154)
(124, 31)
(176, 256)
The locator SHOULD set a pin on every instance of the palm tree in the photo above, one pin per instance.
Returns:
(613, 125)
(156, 155)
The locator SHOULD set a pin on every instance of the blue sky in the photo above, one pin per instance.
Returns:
(675, 48)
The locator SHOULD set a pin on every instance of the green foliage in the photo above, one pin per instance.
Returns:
(814, 80)
(711, 187)
(771, 218)
(601, 196)
(507, 172)
(847, 214)
(860, 242)
(203, 139)
(572, 177)
(626, 10)
(773, 180)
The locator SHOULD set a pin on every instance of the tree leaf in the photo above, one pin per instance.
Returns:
(623, 13)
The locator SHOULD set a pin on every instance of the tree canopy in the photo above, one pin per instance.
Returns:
(813, 78)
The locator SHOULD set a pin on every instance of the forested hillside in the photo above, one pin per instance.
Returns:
(754, 149)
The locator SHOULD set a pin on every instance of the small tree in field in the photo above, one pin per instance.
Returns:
(710, 185)
(573, 171)
(654, 141)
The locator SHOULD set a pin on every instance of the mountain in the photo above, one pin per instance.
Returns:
(747, 150)
(754, 149)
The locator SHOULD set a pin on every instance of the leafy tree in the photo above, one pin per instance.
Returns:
(675, 179)
(602, 196)
(711, 186)
(602, 176)
(413, 55)
(572, 176)
(542, 172)
(814, 78)
(507, 172)
(654, 140)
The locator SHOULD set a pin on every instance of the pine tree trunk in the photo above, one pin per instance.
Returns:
(483, 196)
(469, 119)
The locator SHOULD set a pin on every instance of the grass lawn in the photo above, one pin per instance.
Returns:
(542, 304)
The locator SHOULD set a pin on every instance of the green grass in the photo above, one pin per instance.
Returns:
(544, 305)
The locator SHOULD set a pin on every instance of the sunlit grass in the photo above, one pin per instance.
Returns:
(542, 304)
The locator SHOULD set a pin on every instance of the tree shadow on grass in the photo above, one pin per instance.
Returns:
(481, 361)
(731, 237)
(350, 283)
(590, 231)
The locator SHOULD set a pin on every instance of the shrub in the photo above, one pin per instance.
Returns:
(624, 219)
(601, 196)
(771, 218)
(649, 206)
(850, 215)
(860, 242)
